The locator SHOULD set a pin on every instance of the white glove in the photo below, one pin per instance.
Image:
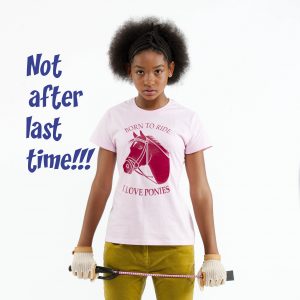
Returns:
(84, 265)
(215, 273)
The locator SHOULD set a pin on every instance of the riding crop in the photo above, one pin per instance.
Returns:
(114, 273)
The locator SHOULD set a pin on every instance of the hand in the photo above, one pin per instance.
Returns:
(84, 265)
(215, 273)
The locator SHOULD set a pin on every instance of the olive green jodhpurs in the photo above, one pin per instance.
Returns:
(163, 259)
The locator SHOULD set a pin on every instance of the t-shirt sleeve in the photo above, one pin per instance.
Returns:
(101, 136)
(199, 139)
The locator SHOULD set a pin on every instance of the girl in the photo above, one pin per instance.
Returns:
(151, 137)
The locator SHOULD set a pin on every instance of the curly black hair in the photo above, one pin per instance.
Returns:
(131, 30)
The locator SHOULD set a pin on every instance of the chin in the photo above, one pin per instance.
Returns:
(153, 96)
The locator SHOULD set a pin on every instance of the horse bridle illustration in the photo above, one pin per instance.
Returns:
(135, 164)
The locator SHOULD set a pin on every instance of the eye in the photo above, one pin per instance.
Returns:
(159, 71)
(139, 71)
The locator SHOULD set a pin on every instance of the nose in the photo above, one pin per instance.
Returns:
(149, 79)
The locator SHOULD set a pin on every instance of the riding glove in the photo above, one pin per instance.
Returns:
(84, 265)
(213, 271)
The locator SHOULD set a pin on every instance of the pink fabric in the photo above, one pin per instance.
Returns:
(148, 207)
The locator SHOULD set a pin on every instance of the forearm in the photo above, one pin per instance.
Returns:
(94, 210)
(203, 210)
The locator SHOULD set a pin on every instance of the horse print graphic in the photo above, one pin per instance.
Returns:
(146, 150)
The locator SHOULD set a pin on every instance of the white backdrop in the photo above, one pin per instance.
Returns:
(243, 81)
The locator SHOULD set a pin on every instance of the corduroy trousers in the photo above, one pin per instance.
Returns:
(163, 259)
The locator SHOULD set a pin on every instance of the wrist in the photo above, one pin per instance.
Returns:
(82, 249)
(212, 256)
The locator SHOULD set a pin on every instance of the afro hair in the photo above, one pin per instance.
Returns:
(131, 30)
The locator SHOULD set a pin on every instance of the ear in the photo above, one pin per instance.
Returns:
(134, 134)
(172, 67)
(141, 134)
(128, 69)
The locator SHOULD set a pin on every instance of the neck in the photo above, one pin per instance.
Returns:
(151, 104)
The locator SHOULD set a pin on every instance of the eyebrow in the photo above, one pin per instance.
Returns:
(137, 66)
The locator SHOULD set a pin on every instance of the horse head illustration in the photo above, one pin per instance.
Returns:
(146, 150)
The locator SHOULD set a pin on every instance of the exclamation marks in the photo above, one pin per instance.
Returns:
(84, 154)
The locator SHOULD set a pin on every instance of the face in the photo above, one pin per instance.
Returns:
(149, 70)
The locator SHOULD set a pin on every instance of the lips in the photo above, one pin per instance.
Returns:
(149, 92)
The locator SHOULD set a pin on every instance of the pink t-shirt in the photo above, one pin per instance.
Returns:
(148, 208)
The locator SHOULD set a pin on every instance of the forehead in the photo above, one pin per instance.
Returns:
(148, 58)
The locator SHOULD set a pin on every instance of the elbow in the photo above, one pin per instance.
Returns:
(200, 195)
(103, 188)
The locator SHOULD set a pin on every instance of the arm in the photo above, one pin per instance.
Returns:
(99, 193)
(201, 198)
